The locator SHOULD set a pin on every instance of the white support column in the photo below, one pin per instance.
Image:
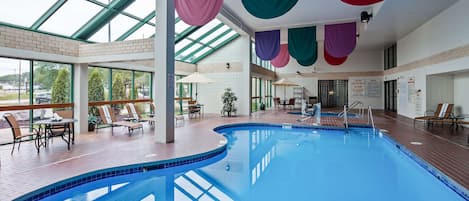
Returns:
(163, 90)
(245, 97)
(80, 99)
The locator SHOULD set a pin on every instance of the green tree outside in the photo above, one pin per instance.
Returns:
(95, 90)
(118, 89)
(61, 87)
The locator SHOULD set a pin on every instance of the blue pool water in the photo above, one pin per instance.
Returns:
(274, 163)
(326, 114)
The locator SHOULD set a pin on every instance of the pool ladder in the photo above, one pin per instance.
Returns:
(354, 105)
(371, 121)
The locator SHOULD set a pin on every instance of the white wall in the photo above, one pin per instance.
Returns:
(358, 61)
(461, 98)
(237, 78)
(443, 32)
(439, 90)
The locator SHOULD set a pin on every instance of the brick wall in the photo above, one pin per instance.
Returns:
(116, 48)
(38, 42)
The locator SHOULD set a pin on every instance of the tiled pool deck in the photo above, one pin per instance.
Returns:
(25, 170)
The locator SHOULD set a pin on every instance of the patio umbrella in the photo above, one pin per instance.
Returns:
(285, 83)
(195, 78)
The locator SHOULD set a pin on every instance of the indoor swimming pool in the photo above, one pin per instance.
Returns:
(268, 162)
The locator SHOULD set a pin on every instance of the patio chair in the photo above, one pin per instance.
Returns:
(108, 118)
(276, 102)
(135, 114)
(60, 130)
(291, 103)
(18, 134)
(193, 109)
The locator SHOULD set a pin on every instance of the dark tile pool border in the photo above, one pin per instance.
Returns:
(116, 171)
(453, 185)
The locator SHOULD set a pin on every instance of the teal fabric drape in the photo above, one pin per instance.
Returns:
(268, 9)
(310, 61)
(302, 45)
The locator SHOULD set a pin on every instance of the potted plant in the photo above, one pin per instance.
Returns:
(228, 98)
(262, 106)
(92, 122)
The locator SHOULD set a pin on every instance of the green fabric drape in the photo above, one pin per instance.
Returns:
(302, 45)
(312, 60)
(268, 9)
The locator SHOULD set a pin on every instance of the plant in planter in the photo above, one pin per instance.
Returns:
(92, 122)
(228, 98)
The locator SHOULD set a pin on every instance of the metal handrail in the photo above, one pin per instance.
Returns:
(370, 117)
(345, 117)
(353, 106)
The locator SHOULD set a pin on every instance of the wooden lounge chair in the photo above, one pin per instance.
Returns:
(135, 114)
(18, 134)
(442, 114)
(107, 117)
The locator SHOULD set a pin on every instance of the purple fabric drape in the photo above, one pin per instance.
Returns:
(197, 12)
(332, 60)
(361, 2)
(283, 57)
(267, 44)
(340, 39)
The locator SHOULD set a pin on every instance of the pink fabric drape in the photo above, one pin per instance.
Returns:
(361, 2)
(283, 57)
(332, 60)
(340, 39)
(198, 12)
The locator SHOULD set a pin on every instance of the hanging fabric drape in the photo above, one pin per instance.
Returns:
(340, 39)
(309, 61)
(196, 12)
(332, 60)
(268, 9)
(361, 2)
(267, 44)
(283, 57)
(302, 42)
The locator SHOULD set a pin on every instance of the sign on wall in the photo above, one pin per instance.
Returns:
(358, 87)
(370, 88)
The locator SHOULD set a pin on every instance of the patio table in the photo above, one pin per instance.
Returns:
(45, 131)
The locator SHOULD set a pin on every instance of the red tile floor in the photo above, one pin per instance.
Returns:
(25, 170)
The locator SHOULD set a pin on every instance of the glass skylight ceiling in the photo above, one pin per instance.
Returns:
(74, 19)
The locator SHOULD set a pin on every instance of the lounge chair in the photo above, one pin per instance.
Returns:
(442, 113)
(135, 114)
(107, 117)
(18, 134)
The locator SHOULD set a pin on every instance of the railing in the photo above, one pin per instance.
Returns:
(354, 105)
(370, 117)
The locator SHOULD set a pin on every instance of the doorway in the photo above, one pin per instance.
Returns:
(333, 93)
(390, 95)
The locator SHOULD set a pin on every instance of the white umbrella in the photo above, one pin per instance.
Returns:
(195, 78)
(284, 82)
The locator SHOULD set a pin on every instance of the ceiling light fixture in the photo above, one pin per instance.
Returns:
(365, 17)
